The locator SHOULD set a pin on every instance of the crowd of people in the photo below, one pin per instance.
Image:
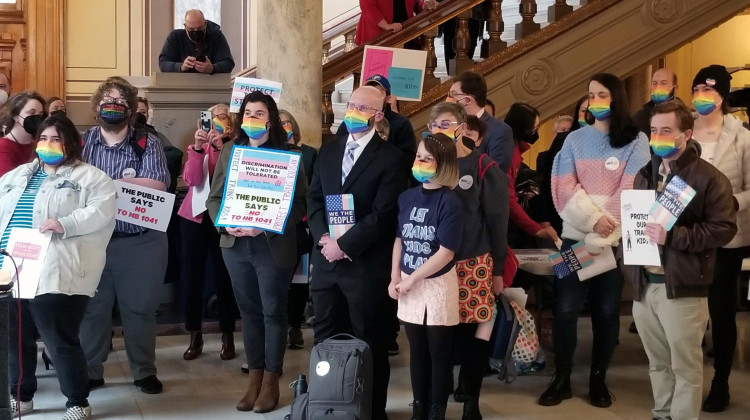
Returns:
(429, 250)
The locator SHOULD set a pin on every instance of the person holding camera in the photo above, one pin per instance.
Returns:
(199, 48)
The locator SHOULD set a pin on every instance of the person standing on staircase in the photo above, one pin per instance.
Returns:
(663, 88)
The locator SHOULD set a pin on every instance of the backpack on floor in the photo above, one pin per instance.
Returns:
(503, 340)
(340, 382)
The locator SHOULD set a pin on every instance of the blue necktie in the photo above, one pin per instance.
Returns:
(348, 162)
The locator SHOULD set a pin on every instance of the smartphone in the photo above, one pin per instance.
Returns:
(206, 121)
(201, 58)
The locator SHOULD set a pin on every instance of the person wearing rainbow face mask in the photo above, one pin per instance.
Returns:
(595, 164)
(670, 307)
(73, 201)
(725, 143)
(260, 263)
(200, 240)
(663, 88)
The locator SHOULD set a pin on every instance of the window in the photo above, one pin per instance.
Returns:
(211, 10)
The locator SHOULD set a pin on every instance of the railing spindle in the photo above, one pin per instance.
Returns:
(326, 51)
(462, 43)
(327, 109)
(558, 10)
(349, 43)
(428, 42)
(527, 9)
(495, 27)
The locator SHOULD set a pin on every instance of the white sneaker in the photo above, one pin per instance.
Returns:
(77, 413)
(26, 407)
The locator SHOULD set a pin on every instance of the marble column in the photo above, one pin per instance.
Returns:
(290, 47)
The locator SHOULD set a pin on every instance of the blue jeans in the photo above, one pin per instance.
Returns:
(603, 292)
(261, 288)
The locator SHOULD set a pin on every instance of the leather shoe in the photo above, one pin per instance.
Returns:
(418, 411)
(253, 389)
(718, 398)
(149, 385)
(227, 347)
(268, 398)
(196, 346)
(598, 392)
(557, 391)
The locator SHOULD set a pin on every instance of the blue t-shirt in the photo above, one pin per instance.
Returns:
(427, 220)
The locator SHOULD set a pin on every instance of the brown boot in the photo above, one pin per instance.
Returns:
(253, 389)
(227, 346)
(269, 393)
(196, 346)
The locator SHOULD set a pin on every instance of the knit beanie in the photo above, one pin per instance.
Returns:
(714, 76)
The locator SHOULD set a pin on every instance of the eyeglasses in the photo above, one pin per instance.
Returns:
(444, 125)
(458, 96)
(118, 101)
(361, 108)
(286, 124)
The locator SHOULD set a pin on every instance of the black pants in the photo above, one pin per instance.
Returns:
(354, 305)
(430, 361)
(298, 295)
(473, 354)
(449, 34)
(200, 241)
(722, 306)
(57, 320)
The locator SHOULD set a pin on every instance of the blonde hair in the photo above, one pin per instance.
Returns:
(223, 109)
(383, 128)
(443, 150)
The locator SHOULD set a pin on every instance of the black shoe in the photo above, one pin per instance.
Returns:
(149, 384)
(471, 408)
(393, 349)
(418, 411)
(47, 361)
(295, 340)
(718, 398)
(95, 383)
(598, 392)
(633, 329)
(437, 412)
(557, 391)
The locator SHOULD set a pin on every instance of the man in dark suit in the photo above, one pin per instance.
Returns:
(351, 273)
(470, 91)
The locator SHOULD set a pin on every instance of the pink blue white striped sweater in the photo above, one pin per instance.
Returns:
(587, 178)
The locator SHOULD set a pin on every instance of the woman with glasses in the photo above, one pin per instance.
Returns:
(299, 293)
(523, 119)
(200, 239)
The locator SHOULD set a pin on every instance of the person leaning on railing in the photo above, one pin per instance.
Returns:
(380, 16)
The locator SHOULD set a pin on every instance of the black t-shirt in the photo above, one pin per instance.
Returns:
(427, 220)
(399, 11)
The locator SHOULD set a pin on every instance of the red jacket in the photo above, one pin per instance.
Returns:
(517, 213)
(373, 11)
(13, 154)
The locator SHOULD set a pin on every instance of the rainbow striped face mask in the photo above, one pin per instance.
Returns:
(289, 132)
(255, 128)
(600, 108)
(451, 134)
(219, 126)
(582, 118)
(356, 121)
(663, 146)
(661, 94)
(50, 153)
(704, 103)
(424, 172)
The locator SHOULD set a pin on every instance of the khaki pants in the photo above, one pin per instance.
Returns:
(672, 331)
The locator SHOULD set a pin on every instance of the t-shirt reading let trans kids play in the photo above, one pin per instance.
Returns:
(427, 220)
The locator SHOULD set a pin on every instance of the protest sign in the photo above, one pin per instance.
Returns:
(259, 189)
(244, 85)
(671, 202)
(143, 206)
(29, 249)
(636, 247)
(403, 68)
(576, 259)
(340, 212)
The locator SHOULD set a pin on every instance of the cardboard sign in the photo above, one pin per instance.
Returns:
(259, 189)
(29, 249)
(404, 69)
(671, 202)
(244, 85)
(340, 212)
(143, 206)
(635, 208)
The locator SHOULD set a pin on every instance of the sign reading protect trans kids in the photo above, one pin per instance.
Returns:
(259, 189)
(244, 85)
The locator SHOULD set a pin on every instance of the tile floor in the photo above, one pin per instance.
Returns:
(208, 388)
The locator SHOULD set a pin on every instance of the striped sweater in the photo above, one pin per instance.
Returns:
(587, 178)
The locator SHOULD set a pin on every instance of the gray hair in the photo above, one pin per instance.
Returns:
(457, 110)
(560, 119)
(295, 127)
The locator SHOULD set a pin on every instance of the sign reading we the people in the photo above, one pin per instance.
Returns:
(259, 189)
(143, 206)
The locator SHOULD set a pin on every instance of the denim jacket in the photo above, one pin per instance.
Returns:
(82, 199)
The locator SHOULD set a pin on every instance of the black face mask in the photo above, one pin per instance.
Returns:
(31, 123)
(532, 137)
(197, 36)
(58, 113)
(141, 119)
(469, 143)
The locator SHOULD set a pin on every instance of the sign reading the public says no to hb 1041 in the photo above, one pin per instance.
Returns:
(143, 206)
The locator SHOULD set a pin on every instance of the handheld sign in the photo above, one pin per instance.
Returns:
(244, 85)
(635, 208)
(671, 202)
(259, 189)
(340, 211)
(403, 68)
(570, 260)
(143, 206)
(29, 249)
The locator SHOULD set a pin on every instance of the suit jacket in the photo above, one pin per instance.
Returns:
(284, 246)
(375, 181)
(498, 141)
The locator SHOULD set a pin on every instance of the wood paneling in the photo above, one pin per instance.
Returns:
(46, 48)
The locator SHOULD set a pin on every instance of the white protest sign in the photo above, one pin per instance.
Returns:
(636, 248)
(403, 68)
(143, 206)
(259, 189)
(244, 85)
(29, 249)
